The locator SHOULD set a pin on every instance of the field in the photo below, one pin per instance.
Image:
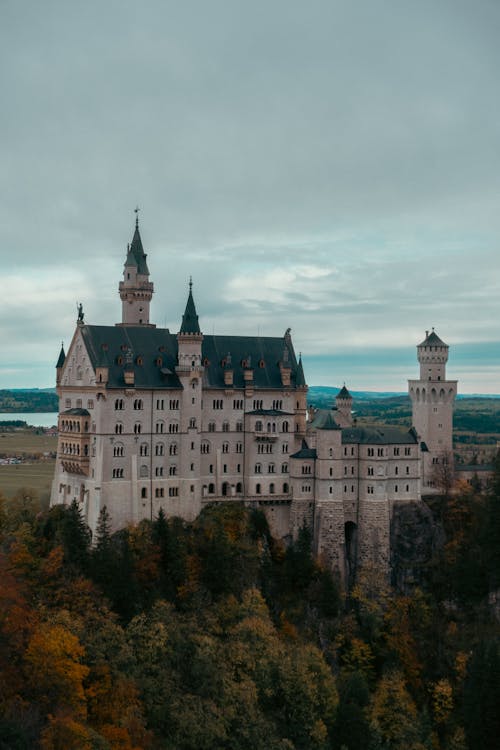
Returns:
(27, 442)
(35, 475)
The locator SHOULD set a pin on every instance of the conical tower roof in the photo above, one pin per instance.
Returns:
(299, 374)
(135, 253)
(432, 339)
(343, 393)
(62, 357)
(190, 318)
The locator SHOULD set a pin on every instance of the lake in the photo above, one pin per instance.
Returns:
(42, 419)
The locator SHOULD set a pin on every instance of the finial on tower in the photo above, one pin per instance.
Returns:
(136, 211)
(190, 283)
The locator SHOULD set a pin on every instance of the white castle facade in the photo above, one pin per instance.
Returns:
(149, 419)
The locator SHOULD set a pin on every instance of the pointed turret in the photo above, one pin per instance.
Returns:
(61, 358)
(190, 323)
(60, 364)
(136, 290)
(300, 380)
(136, 255)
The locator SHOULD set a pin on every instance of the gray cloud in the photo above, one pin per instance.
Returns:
(259, 138)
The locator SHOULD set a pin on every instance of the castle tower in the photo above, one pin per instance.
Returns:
(135, 290)
(301, 404)
(189, 369)
(432, 398)
(343, 403)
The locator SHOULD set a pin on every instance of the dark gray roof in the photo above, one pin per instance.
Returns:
(157, 349)
(190, 318)
(136, 255)
(305, 452)
(323, 420)
(343, 393)
(432, 339)
(61, 358)
(474, 467)
(299, 375)
(76, 413)
(383, 435)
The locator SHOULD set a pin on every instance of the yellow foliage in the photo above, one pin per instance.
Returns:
(358, 656)
(54, 669)
(65, 733)
(442, 700)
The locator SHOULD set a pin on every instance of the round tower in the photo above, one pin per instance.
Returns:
(432, 398)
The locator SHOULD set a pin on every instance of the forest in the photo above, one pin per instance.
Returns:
(29, 400)
(208, 635)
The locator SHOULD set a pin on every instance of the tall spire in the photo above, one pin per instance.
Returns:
(299, 373)
(62, 356)
(190, 318)
(135, 252)
(136, 290)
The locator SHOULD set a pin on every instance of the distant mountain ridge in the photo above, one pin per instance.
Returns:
(322, 392)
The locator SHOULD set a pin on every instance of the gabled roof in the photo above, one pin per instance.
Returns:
(432, 339)
(136, 255)
(305, 452)
(155, 353)
(190, 318)
(61, 358)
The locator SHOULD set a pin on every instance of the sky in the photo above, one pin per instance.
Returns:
(329, 166)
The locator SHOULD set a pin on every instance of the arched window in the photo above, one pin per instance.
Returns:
(118, 428)
(285, 426)
(205, 446)
(211, 426)
(159, 449)
(271, 488)
(144, 492)
(257, 489)
(225, 426)
(270, 469)
(137, 428)
(225, 447)
(258, 426)
(258, 468)
(285, 488)
(239, 487)
(284, 468)
(173, 449)
(211, 489)
(160, 427)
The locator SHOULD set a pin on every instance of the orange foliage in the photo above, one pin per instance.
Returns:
(54, 670)
(65, 733)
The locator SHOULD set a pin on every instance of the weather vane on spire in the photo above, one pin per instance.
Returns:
(136, 211)
(190, 283)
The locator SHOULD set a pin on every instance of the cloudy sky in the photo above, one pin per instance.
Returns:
(325, 165)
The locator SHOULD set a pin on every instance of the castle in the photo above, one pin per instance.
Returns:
(149, 419)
